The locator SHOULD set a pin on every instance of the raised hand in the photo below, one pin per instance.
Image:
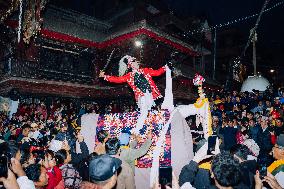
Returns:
(102, 74)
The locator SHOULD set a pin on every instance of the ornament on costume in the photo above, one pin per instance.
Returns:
(126, 63)
(198, 81)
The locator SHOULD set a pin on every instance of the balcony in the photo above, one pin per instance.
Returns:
(45, 71)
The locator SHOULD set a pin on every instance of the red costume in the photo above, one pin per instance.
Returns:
(129, 78)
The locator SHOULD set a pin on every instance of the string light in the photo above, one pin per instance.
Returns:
(234, 21)
(20, 21)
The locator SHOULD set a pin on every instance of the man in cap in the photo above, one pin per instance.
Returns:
(277, 167)
(125, 179)
(102, 172)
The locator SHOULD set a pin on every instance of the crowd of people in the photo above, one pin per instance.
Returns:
(246, 150)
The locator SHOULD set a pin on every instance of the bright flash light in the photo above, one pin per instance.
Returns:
(138, 43)
(272, 71)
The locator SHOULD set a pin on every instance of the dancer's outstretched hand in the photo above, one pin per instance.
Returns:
(102, 74)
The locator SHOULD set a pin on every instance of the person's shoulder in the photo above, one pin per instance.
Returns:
(125, 167)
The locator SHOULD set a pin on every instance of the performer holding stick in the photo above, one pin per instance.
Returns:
(142, 84)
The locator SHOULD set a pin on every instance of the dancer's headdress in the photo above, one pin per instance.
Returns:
(125, 63)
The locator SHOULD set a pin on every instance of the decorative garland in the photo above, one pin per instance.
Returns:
(275, 165)
(200, 102)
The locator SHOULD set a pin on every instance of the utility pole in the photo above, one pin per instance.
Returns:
(214, 55)
(254, 39)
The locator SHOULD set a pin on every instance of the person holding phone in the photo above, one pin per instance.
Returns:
(277, 167)
(197, 172)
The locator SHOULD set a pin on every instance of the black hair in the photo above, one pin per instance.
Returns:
(241, 151)
(226, 169)
(50, 152)
(102, 135)
(26, 126)
(60, 156)
(33, 172)
(38, 155)
(280, 119)
(8, 149)
(25, 155)
(112, 146)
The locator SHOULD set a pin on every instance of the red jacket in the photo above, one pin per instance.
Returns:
(54, 177)
(129, 78)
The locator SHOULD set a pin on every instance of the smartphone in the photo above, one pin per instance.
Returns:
(165, 176)
(262, 172)
(211, 144)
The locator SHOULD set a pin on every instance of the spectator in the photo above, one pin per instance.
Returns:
(71, 177)
(25, 133)
(247, 167)
(38, 175)
(54, 173)
(276, 168)
(103, 172)
(125, 179)
(264, 142)
(102, 137)
(229, 134)
(254, 130)
(225, 171)
(128, 154)
(279, 129)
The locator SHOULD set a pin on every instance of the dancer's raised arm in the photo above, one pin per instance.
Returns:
(114, 79)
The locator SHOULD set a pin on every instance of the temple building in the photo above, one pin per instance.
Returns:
(64, 57)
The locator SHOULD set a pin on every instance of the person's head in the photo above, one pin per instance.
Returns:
(112, 146)
(215, 121)
(278, 149)
(279, 122)
(24, 156)
(37, 174)
(251, 123)
(62, 157)
(26, 130)
(264, 122)
(49, 161)
(103, 170)
(231, 122)
(63, 127)
(124, 138)
(131, 62)
(225, 170)
(102, 136)
(240, 152)
(249, 115)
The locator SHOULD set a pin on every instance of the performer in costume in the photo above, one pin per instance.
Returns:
(141, 82)
(277, 167)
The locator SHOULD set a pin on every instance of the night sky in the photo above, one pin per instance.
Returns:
(270, 30)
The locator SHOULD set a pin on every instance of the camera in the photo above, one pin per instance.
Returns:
(3, 166)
